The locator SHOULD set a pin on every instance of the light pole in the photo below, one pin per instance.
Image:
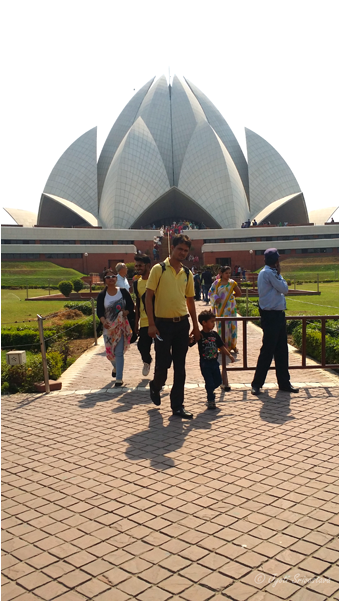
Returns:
(252, 264)
(86, 268)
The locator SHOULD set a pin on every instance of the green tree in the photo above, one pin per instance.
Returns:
(65, 287)
(78, 285)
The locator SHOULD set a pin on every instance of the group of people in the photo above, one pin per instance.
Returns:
(165, 300)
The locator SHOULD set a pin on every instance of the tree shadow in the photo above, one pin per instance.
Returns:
(159, 439)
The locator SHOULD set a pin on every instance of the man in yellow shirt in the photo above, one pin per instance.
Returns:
(172, 285)
(142, 267)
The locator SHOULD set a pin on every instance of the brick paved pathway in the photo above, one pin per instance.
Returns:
(93, 372)
(106, 497)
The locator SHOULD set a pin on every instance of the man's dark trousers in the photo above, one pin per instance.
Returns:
(274, 345)
(205, 290)
(211, 373)
(144, 345)
(173, 347)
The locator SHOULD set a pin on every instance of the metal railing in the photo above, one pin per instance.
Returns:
(304, 319)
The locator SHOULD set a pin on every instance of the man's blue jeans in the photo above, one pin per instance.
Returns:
(205, 290)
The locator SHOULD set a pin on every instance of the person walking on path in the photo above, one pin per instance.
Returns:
(172, 285)
(197, 285)
(209, 344)
(272, 290)
(222, 295)
(122, 281)
(115, 310)
(142, 267)
(206, 281)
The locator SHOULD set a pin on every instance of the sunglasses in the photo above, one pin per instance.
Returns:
(108, 277)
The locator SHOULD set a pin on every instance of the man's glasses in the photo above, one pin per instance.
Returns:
(109, 277)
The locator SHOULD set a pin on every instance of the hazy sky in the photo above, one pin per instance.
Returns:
(70, 65)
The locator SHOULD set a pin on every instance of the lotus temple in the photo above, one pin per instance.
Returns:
(170, 156)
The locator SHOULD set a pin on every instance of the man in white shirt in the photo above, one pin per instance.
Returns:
(122, 281)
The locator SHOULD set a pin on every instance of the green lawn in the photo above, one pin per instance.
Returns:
(35, 273)
(325, 304)
(308, 268)
(15, 308)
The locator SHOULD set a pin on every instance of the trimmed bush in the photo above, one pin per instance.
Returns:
(78, 285)
(19, 338)
(65, 287)
(85, 307)
(313, 342)
(79, 328)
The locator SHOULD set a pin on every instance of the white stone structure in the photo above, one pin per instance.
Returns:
(170, 155)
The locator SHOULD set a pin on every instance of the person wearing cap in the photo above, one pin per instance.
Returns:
(272, 289)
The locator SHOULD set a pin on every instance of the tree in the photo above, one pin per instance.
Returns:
(65, 287)
(78, 285)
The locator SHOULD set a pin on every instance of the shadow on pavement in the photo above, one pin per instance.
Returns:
(276, 410)
(159, 440)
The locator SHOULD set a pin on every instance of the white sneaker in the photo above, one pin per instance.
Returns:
(145, 369)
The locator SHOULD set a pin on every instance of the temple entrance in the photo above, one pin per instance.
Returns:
(175, 206)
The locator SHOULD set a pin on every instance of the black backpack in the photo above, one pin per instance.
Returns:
(143, 298)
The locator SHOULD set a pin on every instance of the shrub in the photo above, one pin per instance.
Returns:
(130, 270)
(65, 287)
(313, 342)
(84, 307)
(79, 329)
(18, 338)
(55, 364)
(21, 378)
(291, 325)
(78, 285)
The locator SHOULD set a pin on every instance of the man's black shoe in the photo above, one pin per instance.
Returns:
(255, 390)
(289, 388)
(183, 413)
(155, 396)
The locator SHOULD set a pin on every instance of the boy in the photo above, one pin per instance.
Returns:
(208, 345)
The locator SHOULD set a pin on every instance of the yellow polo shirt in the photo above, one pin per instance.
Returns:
(141, 287)
(171, 290)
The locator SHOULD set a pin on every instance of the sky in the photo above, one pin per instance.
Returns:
(70, 65)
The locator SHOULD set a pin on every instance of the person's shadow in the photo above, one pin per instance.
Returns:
(276, 410)
(159, 440)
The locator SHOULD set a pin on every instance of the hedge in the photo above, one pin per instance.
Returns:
(19, 338)
(85, 307)
(21, 378)
(313, 343)
(16, 338)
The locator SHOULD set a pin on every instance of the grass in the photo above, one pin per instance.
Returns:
(325, 304)
(15, 308)
(308, 268)
(35, 273)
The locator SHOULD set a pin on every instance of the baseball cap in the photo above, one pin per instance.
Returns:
(271, 256)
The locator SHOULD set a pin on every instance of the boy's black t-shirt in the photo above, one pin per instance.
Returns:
(209, 344)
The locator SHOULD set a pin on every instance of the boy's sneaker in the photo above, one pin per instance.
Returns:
(114, 373)
(146, 369)
(211, 405)
(118, 383)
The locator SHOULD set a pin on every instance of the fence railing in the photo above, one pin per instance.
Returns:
(304, 319)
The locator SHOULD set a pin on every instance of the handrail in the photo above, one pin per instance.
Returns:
(304, 319)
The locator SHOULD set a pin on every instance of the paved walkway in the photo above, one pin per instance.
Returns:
(106, 497)
(92, 372)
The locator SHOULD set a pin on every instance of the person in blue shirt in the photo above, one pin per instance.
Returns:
(272, 289)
